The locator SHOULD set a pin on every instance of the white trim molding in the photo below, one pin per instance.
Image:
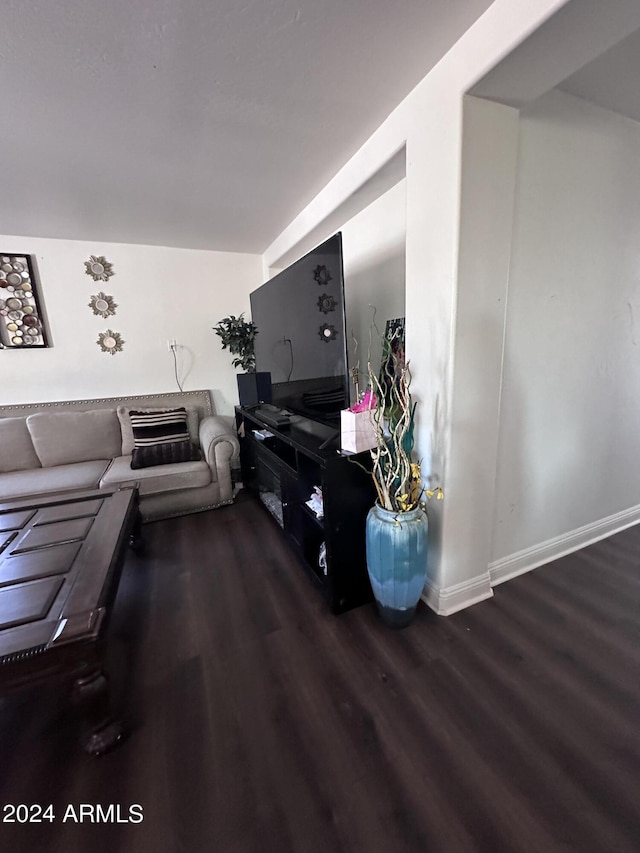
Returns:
(530, 558)
(450, 599)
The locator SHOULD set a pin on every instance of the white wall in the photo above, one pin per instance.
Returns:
(374, 269)
(488, 172)
(569, 451)
(428, 124)
(373, 248)
(162, 294)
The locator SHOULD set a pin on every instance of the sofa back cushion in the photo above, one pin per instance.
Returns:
(127, 431)
(17, 452)
(60, 438)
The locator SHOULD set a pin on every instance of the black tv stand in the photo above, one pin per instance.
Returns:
(329, 440)
(272, 415)
(281, 468)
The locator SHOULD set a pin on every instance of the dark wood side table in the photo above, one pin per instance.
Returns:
(61, 558)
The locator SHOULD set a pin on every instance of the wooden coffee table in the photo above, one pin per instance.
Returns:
(60, 562)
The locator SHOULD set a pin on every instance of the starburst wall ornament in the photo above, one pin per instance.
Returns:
(110, 342)
(328, 332)
(322, 275)
(99, 268)
(103, 305)
(326, 303)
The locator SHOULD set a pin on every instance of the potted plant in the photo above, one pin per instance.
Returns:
(238, 336)
(397, 526)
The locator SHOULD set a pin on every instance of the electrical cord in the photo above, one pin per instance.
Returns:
(175, 365)
(288, 341)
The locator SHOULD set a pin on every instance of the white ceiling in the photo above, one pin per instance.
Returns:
(612, 80)
(193, 123)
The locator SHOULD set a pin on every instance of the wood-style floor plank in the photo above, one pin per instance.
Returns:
(261, 722)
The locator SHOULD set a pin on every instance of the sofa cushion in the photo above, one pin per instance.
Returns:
(62, 438)
(164, 454)
(153, 481)
(127, 431)
(17, 452)
(42, 481)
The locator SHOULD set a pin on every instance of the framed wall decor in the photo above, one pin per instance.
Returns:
(21, 320)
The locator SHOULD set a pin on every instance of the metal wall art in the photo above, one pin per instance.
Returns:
(326, 303)
(103, 305)
(20, 314)
(328, 332)
(99, 268)
(110, 342)
(322, 274)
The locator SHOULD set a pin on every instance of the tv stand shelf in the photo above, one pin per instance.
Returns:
(281, 467)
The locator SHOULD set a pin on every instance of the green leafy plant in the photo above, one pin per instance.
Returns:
(238, 336)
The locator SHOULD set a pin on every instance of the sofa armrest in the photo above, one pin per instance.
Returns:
(219, 445)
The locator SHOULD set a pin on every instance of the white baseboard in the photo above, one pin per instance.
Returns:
(450, 599)
(530, 558)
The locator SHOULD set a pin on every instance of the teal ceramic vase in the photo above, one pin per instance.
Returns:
(397, 562)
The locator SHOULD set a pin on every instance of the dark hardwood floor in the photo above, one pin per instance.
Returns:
(263, 723)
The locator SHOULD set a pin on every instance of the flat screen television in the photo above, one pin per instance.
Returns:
(301, 340)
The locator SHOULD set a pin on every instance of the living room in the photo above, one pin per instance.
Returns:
(411, 199)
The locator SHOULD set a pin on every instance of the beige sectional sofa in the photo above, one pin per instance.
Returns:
(84, 444)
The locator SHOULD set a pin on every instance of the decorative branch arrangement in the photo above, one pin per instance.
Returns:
(397, 479)
(392, 467)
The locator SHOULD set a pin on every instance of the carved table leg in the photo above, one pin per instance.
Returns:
(92, 694)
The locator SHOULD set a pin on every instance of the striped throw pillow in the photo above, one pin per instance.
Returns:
(159, 427)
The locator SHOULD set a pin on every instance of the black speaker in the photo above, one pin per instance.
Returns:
(254, 388)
